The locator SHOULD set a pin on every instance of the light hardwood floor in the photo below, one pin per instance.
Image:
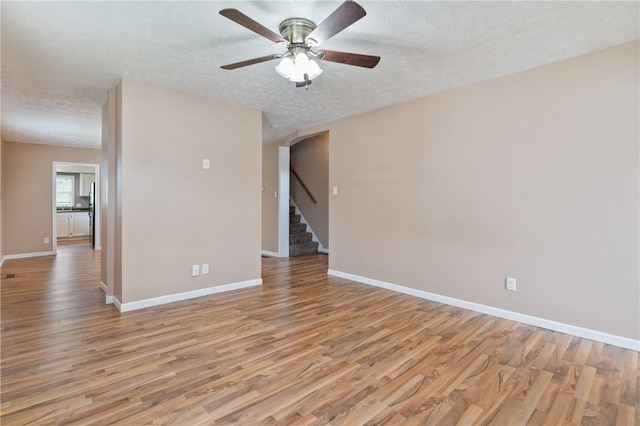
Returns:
(304, 348)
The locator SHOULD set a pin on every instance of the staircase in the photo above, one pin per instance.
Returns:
(299, 239)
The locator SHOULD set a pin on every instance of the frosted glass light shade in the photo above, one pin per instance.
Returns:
(313, 69)
(285, 67)
(295, 69)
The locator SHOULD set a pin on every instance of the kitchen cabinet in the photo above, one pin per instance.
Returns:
(73, 224)
(81, 224)
(86, 179)
(62, 225)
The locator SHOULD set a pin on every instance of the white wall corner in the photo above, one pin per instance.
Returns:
(585, 333)
(108, 299)
(117, 303)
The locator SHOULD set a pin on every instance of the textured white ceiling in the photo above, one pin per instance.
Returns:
(59, 58)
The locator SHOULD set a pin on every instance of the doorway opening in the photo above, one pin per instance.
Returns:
(76, 216)
(303, 185)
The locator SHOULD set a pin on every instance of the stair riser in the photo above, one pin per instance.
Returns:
(303, 249)
(297, 228)
(300, 241)
(303, 237)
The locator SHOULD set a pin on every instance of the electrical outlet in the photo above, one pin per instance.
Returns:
(510, 284)
(195, 270)
(205, 268)
(46, 240)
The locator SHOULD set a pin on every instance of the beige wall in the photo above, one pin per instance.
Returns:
(175, 214)
(1, 223)
(533, 176)
(1, 167)
(269, 201)
(310, 159)
(27, 193)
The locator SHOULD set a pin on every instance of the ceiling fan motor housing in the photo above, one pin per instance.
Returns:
(296, 30)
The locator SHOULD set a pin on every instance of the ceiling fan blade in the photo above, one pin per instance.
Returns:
(356, 59)
(346, 14)
(250, 62)
(240, 18)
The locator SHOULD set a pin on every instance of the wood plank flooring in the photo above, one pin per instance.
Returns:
(303, 349)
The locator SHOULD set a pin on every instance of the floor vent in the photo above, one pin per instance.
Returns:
(10, 276)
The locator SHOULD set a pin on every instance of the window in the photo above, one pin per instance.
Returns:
(64, 191)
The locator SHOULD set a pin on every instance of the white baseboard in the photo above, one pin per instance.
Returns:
(323, 250)
(1, 261)
(26, 255)
(108, 299)
(623, 342)
(161, 300)
(270, 253)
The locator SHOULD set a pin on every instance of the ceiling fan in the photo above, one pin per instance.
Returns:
(300, 36)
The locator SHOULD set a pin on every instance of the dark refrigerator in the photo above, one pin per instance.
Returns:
(92, 213)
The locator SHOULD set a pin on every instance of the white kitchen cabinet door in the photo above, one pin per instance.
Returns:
(86, 179)
(63, 228)
(80, 224)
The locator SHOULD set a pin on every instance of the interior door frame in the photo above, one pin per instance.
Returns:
(96, 201)
(284, 158)
(284, 167)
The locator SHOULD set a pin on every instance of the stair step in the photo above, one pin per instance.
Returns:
(300, 241)
(302, 237)
(294, 218)
(310, 247)
(297, 228)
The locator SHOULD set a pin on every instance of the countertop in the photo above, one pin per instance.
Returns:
(74, 210)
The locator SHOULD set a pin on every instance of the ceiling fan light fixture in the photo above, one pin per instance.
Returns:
(295, 69)
(285, 67)
(312, 69)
